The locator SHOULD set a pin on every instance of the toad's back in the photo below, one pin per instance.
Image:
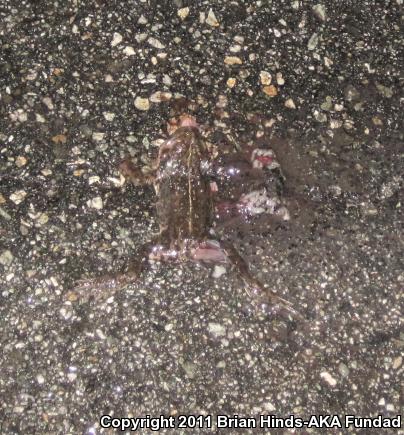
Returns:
(184, 206)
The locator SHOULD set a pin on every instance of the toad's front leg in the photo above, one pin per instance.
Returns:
(102, 287)
(135, 174)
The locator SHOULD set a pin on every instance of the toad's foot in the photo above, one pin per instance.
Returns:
(267, 302)
(103, 287)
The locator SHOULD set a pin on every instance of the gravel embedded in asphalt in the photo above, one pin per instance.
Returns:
(84, 84)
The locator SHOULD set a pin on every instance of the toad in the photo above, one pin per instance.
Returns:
(195, 190)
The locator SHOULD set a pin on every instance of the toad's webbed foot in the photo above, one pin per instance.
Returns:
(267, 302)
(103, 287)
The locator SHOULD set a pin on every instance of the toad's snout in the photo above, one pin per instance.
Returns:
(188, 121)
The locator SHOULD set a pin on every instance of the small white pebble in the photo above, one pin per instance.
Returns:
(98, 136)
(65, 313)
(235, 48)
(320, 12)
(32, 75)
(218, 271)
(117, 39)
(397, 362)
(140, 37)
(327, 61)
(129, 51)
(211, 19)
(216, 329)
(154, 42)
(95, 203)
(20, 161)
(6, 258)
(43, 219)
(231, 82)
(270, 123)
(19, 115)
(183, 13)
(290, 104)
(335, 123)
(109, 116)
(265, 78)
(279, 79)
(168, 327)
(269, 407)
(48, 103)
(328, 378)
(142, 103)
(93, 179)
(71, 376)
(232, 60)
(313, 41)
(167, 80)
(343, 370)
(40, 379)
(100, 334)
(18, 196)
(142, 20)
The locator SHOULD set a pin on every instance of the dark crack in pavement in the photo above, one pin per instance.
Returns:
(83, 84)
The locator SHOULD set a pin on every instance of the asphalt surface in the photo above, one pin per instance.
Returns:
(83, 84)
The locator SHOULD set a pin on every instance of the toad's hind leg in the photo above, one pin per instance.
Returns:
(265, 299)
(224, 252)
(103, 287)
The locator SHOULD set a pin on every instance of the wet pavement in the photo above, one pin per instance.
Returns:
(84, 84)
